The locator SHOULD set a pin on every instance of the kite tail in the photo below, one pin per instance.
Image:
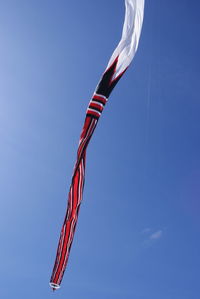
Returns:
(118, 64)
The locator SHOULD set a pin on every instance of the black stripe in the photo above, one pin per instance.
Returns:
(93, 116)
(84, 150)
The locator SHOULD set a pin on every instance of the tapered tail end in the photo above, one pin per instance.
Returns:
(54, 286)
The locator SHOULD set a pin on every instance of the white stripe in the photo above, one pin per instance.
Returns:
(89, 133)
(86, 137)
(96, 103)
(83, 141)
(60, 247)
(70, 239)
(64, 231)
(80, 182)
(90, 109)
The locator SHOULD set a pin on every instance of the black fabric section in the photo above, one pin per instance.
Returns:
(106, 84)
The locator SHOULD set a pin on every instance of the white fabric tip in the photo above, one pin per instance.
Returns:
(128, 44)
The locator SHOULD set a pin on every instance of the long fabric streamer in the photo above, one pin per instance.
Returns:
(118, 64)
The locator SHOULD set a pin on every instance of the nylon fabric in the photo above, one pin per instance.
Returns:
(117, 65)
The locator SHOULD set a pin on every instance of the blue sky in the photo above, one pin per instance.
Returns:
(139, 225)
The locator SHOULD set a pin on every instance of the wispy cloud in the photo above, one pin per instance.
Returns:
(151, 236)
(156, 235)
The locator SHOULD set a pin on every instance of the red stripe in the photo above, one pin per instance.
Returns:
(70, 224)
(84, 140)
(95, 105)
(85, 127)
(100, 98)
(64, 250)
(75, 195)
(93, 113)
(68, 227)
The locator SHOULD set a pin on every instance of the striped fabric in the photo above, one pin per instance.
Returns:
(96, 106)
(118, 64)
(74, 201)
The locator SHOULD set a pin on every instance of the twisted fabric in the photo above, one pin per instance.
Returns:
(118, 64)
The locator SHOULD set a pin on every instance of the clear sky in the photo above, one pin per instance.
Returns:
(139, 226)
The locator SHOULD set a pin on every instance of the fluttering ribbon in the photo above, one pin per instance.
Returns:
(118, 64)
